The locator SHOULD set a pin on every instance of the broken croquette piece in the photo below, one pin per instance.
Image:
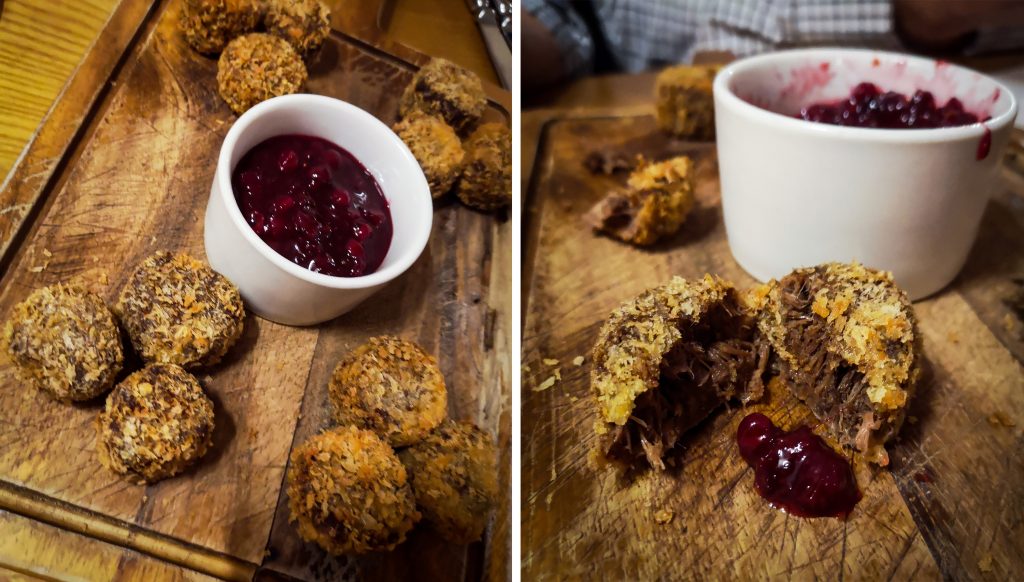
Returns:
(443, 88)
(156, 423)
(684, 101)
(454, 476)
(63, 339)
(256, 67)
(209, 25)
(486, 182)
(178, 310)
(655, 203)
(436, 147)
(665, 360)
(303, 23)
(349, 493)
(392, 387)
(846, 342)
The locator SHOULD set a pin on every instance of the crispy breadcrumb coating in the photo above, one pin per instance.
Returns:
(684, 101)
(486, 182)
(846, 340)
(179, 311)
(392, 387)
(443, 88)
(349, 493)
(436, 147)
(454, 475)
(303, 23)
(257, 66)
(654, 205)
(63, 339)
(156, 423)
(210, 24)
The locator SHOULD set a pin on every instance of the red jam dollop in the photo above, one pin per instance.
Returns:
(868, 106)
(314, 204)
(796, 471)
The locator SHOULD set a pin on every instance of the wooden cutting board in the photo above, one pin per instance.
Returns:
(950, 505)
(126, 171)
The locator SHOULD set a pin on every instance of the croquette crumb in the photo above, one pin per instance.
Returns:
(210, 24)
(257, 66)
(179, 311)
(443, 88)
(63, 339)
(436, 147)
(349, 493)
(156, 423)
(486, 182)
(655, 203)
(454, 476)
(390, 386)
(303, 23)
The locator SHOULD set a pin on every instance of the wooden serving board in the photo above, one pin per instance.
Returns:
(134, 179)
(950, 505)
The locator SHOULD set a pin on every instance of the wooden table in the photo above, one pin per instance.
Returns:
(949, 506)
(55, 62)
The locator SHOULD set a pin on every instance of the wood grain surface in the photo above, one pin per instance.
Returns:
(137, 181)
(950, 505)
(31, 550)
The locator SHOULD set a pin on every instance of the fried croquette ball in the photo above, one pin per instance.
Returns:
(443, 88)
(179, 311)
(846, 341)
(436, 147)
(392, 387)
(349, 493)
(210, 24)
(256, 67)
(654, 205)
(665, 360)
(454, 475)
(64, 340)
(684, 101)
(303, 23)
(486, 182)
(156, 423)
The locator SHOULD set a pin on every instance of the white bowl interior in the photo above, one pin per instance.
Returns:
(787, 81)
(372, 143)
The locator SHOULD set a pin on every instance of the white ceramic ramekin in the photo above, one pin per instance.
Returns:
(274, 287)
(796, 193)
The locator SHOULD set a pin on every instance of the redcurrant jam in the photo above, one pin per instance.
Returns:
(796, 471)
(314, 204)
(868, 106)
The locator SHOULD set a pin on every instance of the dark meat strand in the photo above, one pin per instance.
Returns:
(716, 360)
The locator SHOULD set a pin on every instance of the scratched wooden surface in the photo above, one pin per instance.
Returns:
(136, 180)
(950, 505)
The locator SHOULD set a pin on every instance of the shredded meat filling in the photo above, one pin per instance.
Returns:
(834, 390)
(717, 359)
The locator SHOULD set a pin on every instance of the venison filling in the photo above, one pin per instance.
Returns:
(717, 359)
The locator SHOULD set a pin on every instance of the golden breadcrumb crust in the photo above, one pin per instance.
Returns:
(349, 493)
(873, 329)
(443, 88)
(436, 147)
(255, 67)
(392, 387)
(454, 475)
(156, 423)
(654, 205)
(684, 102)
(303, 23)
(63, 339)
(486, 182)
(179, 311)
(209, 25)
(635, 338)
